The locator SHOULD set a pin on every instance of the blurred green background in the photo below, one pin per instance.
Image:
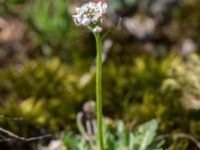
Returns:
(151, 66)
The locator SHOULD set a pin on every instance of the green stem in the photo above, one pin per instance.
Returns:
(99, 90)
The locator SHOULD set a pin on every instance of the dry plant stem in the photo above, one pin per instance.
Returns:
(181, 135)
(14, 136)
(99, 90)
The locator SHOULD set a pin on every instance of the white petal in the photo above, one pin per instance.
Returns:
(104, 7)
(85, 21)
(99, 4)
(77, 10)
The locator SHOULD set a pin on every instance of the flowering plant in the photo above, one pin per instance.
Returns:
(111, 137)
(91, 15)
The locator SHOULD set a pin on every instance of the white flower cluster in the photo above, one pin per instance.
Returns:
(90, 14)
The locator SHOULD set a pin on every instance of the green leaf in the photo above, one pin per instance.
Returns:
(145, 135)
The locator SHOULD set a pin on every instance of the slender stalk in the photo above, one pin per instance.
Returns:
(99, 90)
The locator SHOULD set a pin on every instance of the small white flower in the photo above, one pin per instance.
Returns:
(97, 29)
(90, 14)
(85, 21)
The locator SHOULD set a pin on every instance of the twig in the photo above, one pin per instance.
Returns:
(14, 136)
(180, 135)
